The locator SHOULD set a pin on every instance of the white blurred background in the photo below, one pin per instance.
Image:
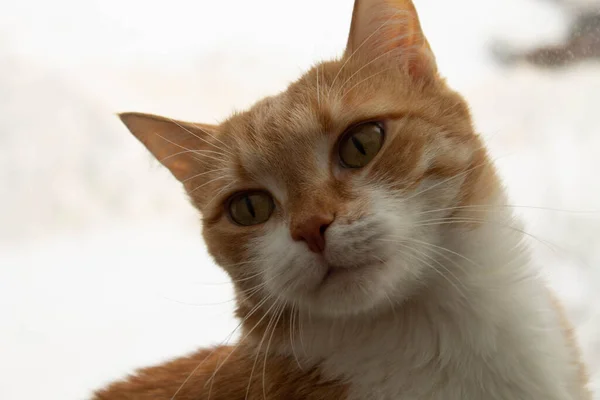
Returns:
(102, 268)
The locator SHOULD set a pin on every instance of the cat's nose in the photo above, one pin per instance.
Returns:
(312, 231)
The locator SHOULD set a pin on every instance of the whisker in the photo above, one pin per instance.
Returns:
(458, 220)
(485, 163)
(195, 369)
(458, 281)
(198, 152)
(435, 269)
(198, 305)
(291, 326)
(223, 189)
(205, 173)
(384, 54)
(212, 136)
(362, 44)
(362, 81)
(267, 349)
(318, 91)
(202, 139)
(259, 347)
(209, 182)
(187, 149)
(393, 307)
(246, 276)
(242, 340)
(248, 293)
(404, 240)
(437, 247)
(254, 309)
(300, 332)
(488, 207)
(255, 289)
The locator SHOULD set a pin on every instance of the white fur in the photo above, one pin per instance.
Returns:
(481, 327)
(498, 337)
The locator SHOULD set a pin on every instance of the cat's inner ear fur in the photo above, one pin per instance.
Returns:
(390, 30)
(178, 145)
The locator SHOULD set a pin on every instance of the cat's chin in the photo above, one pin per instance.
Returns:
(342, 274)
(345, 291)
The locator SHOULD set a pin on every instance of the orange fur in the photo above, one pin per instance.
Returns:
(282, 379)
(576, 358)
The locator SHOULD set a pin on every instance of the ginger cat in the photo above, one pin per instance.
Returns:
(368, 238)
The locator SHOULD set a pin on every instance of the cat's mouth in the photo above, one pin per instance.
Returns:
(337, 272)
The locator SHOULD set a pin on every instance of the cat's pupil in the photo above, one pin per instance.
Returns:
(250, 206)
(359, 146)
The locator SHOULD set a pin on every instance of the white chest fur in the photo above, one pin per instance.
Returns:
(493, 333)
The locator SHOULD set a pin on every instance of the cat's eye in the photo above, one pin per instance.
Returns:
(360, 144)
(250, 208)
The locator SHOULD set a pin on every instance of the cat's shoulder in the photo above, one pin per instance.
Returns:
(225, 373)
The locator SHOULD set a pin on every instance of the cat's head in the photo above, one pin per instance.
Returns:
(326, 195)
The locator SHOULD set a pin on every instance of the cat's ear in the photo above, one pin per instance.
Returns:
(390, 28)
(175, 144)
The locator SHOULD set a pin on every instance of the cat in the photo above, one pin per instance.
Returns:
(368, 238)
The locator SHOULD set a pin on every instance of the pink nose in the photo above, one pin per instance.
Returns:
(312, 231)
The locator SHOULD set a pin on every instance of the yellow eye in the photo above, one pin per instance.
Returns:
(360, 144)
(250, 208)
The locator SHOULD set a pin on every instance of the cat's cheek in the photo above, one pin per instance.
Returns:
(297, 278)
(289, 270)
